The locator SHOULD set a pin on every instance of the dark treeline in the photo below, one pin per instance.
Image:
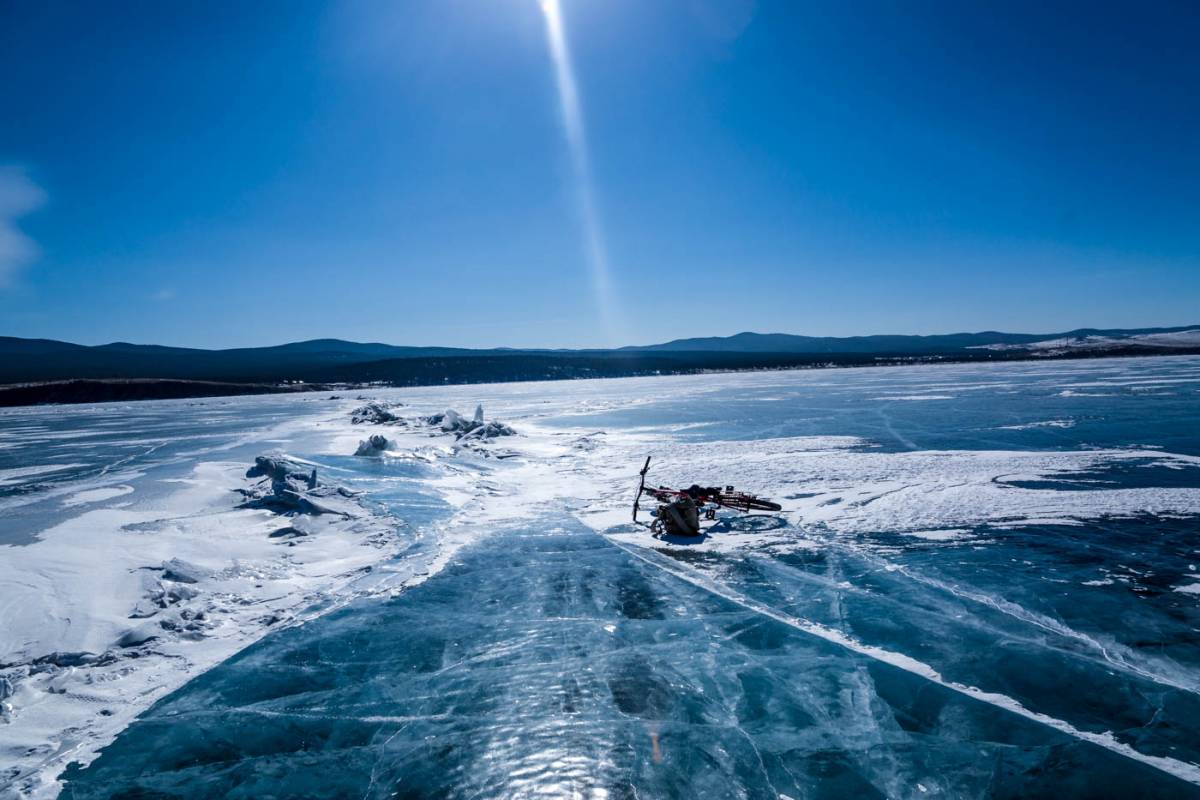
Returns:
(529, 367)
(492, 368)
(121, 389)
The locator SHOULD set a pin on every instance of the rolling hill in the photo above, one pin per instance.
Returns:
(149, 368)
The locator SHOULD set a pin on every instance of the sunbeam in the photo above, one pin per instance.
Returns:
(572, 115)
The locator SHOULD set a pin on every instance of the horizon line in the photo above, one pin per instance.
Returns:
(532, 348)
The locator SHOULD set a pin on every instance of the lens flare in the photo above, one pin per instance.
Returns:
(572, 117)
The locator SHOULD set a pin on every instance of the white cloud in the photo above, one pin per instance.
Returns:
(18, 196)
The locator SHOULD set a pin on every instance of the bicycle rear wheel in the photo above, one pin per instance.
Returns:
(746, 502)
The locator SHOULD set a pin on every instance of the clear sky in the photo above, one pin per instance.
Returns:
(241, 173)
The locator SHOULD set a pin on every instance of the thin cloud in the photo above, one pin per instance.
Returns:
(19, 195)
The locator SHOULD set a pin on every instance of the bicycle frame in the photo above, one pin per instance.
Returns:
(705, 497)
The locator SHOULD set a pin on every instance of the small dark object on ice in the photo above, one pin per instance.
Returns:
(282, 473)
(374, 414)
(486, 431)
(293, 491)
(181, 571)
(374, 445)
(66, 659)
(139, 635)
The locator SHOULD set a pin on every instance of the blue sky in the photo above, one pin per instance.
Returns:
(227, 173)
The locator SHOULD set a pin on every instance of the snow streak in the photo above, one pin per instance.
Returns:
(1180, 769)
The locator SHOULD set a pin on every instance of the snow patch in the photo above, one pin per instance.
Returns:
(97, 495)
(1050, 423)
(946, 535)
(88, 642)
(915, 397)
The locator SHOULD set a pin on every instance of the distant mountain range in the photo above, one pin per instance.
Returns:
(334, 360)
(46, 359)
(910, 345)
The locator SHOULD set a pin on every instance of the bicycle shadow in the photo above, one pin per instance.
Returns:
(671, 538)
(750, 523)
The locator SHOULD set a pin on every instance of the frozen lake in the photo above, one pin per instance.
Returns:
(983, 584)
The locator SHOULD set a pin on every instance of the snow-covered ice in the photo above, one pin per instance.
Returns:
(990, 593)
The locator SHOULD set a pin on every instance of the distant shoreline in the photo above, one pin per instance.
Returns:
(111, 390)
(467, 370)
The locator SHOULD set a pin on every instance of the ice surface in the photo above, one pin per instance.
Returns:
(12, 476)
(97, 495)
(543, 662)
(961, 598)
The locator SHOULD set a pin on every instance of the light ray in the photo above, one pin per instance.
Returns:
(572, 117)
